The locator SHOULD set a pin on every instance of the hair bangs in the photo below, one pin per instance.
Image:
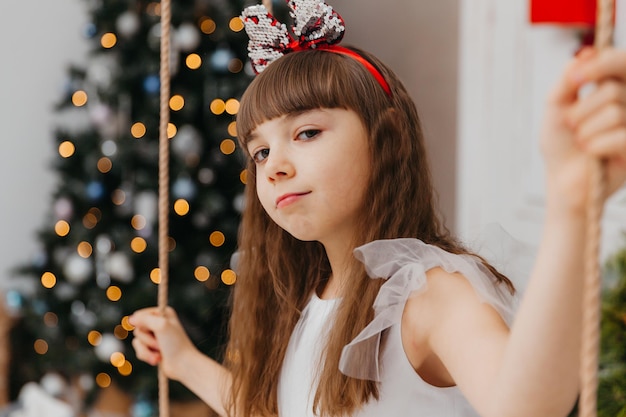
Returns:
(303, 81)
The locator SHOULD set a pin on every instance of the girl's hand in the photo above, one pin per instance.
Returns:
(579, 127)
(161, 339)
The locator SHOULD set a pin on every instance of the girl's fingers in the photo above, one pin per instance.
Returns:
(144, 353)
(607, 92)
(609, 63)
(609, 145)
(608, 118)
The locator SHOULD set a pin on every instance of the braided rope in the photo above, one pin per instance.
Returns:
(590, 343)
(164, 156)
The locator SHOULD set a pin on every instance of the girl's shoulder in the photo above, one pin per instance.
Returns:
(418, 275)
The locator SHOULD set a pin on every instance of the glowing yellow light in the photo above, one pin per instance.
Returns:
(126, 369)
(171, 130)
(84, 249)
(227, 146)
(117, 359)
(50, 319)
(243, 176)
(193, 61)
(90, 221)
(207, 26)
(232, 128)
(108, 40)
(103, 380)
(153, 9)
(94, 338)
(138, 244)
(177, 102)
(118, 197)
(67, 149)
(232, 106)
(114, 293)
(202, 273)
(229, 277)
(181, 207)
(79, 98)
(48, 280)
(218, 106)
(236, 24)
(235, 65)
(138, 222)
(62, 228)
(126, 324)
(138, 130)
(155, 275)
(217, 238)
(104, 164)
(120, 332)
(41, 346)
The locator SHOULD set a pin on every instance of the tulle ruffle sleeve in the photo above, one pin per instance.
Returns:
(403, 263)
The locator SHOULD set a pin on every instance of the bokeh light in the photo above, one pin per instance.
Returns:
(181, 207)
(229, 277)
(193, 61)
(67, 149)
(177, 102)
(79, 98)
(218, 106)
(228, 146)
(114, 293)
(108, 40)
(138, 130)
(232, 106)
(236, 24)
(207, 25)
(48, 280)
(138, 244)
(62, 228)
(202, 273)
(217, 238)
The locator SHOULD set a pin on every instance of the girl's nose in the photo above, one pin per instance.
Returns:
(278, 165)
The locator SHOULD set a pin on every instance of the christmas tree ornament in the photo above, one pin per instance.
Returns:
(77, 269)
(63, 209)
(220, 59)
(184, 188)
(109, 344)
(187, 37)
(119, 267)
(187, 142)
(145, 204)
(128, 24)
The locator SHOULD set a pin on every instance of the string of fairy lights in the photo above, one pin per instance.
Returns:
(139, 131)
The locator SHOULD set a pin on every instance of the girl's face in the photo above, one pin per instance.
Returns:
(312, 169)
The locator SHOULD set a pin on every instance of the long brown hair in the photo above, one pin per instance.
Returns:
(278, 273)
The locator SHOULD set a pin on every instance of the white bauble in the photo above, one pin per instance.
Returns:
(63, 209)
(77, 269)
(187, 142)
(187, 37)
(109, 344)
(128, 24)
(119, 267)
(146, 206)
(53, 384)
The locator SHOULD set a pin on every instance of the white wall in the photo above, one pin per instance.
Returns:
(37, 40)
(419, 41)
(507, 67)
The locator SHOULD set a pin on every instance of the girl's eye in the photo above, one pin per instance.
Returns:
(308, 134)
(259, 156)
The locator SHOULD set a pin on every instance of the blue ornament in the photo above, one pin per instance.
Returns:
(14, 300)
(143, 408)
(95, 190)
(221, 58)
(90, 30)
(184, 188)
(152, 84)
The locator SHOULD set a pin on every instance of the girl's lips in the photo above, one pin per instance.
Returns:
(286, 199)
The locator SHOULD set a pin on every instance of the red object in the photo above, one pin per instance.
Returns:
(565, 12)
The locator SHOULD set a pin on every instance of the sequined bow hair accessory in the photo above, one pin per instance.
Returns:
(316, 26)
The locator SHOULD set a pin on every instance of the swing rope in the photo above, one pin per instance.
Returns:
(163, 203)
(590, 343)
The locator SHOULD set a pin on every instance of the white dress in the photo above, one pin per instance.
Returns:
(404, 263)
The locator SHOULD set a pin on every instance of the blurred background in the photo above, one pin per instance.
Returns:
(78, 169)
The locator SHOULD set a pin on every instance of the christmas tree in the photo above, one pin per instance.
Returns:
(612, 384)
(98, 258)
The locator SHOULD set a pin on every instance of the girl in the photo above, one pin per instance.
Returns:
(352, 298)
